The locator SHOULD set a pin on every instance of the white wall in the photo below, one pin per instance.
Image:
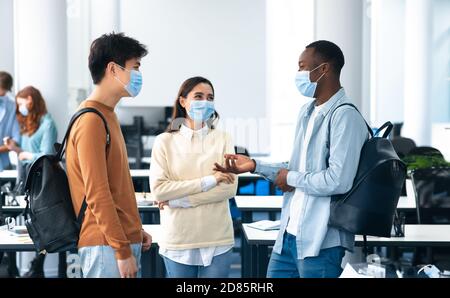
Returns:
(7, 36)
(440, 59)
(341, 22)
(41, 53)
(290, 27)
(388, 32)
(223, 41)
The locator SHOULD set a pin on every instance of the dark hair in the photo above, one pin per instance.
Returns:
(113, 47)
(329, 52)
(179, 112)
(6, 81)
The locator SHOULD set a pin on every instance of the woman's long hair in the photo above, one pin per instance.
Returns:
(180, 113)
(29, 124)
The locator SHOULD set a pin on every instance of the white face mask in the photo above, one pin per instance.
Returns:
(304, 84)
(23, 110)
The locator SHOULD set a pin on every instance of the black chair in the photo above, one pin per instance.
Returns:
(397, 130)
(432, 192)
(133, 140)
(403, 146)
(426, 151)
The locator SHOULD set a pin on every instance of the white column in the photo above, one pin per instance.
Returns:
(41, 61)
(105, 17)
(417, 99)
(341, 22)
(289, 29)
(41, 53)
(7, 36)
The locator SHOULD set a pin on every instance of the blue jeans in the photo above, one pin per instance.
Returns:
(100, 261)
(326, 265)
(219, 268)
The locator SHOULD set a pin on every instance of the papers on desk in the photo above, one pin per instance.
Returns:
(266, 225)
(144, 199)
(17, 233)
(349, 272)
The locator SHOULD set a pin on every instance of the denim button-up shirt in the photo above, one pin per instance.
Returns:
(8, 127)
(331, 163)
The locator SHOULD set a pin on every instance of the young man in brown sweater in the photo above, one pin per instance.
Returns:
(111, 237)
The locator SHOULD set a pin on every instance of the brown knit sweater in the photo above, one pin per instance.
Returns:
(112, 216)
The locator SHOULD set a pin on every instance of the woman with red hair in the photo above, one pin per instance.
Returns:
(39, 134)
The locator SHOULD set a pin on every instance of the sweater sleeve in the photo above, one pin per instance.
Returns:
(89, 139)
(162, 186)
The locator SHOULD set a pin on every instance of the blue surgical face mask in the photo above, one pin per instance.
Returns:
(134, 86)
(201, 110)
(304, 84)
(23, 110)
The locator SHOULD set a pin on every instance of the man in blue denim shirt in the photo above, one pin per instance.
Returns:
(9, 128)
(324, 162)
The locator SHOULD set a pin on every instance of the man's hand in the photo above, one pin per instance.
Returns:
(281, 181)
(128, 267)
(236, 164)
(146, 241)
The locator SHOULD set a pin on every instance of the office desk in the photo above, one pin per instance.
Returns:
(249, 204)
(151, 211)
(8, 175)
(142, 178)
(272, 204)
(152, 264)
(415, 236)
(145, 173)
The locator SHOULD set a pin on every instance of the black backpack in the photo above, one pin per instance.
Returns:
(370, 206)
(51, 220)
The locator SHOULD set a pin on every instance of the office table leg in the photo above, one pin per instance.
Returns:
(160, 268)
(62, 264)
(262, 261)
(245, 257)
(254, 261)
(147, 263)
(245, 250)
(273, 216)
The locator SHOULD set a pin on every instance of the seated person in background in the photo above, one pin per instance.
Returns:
(9, 128)
(39, 133)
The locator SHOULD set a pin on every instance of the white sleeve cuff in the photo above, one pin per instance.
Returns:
(208, 182)
(180, 203)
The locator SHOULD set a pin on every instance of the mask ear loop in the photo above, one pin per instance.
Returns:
(117, 79)
(321, 75)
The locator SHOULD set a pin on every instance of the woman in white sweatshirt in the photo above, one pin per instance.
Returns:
(197, 230)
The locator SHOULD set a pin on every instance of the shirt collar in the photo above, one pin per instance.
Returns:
(326, 107)
(189, 133)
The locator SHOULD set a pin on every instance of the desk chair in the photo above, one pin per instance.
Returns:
(402, 146)
(432, 191)
(426, 151)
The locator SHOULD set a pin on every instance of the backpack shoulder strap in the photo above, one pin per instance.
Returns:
(60, 148)
(352, 105)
